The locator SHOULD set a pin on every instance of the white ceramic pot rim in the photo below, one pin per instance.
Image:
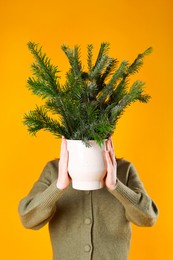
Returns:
(79, 140)
(82, 141)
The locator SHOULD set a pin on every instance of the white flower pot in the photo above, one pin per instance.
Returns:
(86, 165)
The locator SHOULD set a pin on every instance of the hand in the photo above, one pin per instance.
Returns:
(63, 176)
(111, 165)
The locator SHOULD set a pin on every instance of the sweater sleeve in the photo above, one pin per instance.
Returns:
(39, 206)
(140, 209)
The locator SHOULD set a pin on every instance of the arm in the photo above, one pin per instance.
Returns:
(139, 207)
(39, 206)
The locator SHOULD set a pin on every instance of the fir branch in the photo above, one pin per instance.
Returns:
(38, 119)
(104, 60)
(147, 52)
(90, 103)
(53, 105)
(133, 95)
(64, 108)
(144, 98)
(74, 58)
(44, 63)
(89, 57)
(109, 90)
(74, 85)
(109, 69)
(104, 48)
(101, 61)
(97, 130)
(77, 57)
(92, 88)
(119, 92)
(136, 92)
(138, 62)
(40, 88)
(120, 72)
(100, 81)
(44, 72)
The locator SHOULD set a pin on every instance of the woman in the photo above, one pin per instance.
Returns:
(87, 225)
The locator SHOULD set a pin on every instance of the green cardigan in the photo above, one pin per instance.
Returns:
(87, 225)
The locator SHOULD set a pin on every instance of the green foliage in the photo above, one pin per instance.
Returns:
(89, 104)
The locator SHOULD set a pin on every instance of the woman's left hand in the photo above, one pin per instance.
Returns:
(111, 165)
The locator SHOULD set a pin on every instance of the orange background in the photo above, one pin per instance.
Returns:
(143, 134)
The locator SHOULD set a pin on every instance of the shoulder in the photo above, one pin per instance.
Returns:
(123, 163)
(53, 164)
(123, 169)
(50, 170)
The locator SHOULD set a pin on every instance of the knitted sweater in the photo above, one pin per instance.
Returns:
(88, 225)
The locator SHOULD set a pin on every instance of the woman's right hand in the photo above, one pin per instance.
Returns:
(63, 177)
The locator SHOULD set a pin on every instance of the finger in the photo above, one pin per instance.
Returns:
(66, 157)
(112, 154)
(108, 145)
(108, 159)
(112, 142)
(107, 141)
(63, 146)
(112, 151)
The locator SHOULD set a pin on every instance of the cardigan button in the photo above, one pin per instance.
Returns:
(87, 192)
(87, 221)
(87, 248)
